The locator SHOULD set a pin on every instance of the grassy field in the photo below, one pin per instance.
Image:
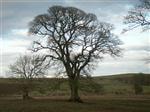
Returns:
(91, 104)
(115, 84)
(50, 95)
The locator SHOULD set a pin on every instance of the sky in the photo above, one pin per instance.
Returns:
(15, 41)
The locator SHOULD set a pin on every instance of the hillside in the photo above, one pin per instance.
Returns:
(114, 84)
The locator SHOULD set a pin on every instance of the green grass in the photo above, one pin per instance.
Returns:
(91, 104)
(118, 96)
(114, 84)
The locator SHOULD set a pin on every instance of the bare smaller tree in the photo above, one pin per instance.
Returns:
(139, 16)
(26, 68)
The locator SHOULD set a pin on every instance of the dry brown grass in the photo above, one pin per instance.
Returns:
(91, 104)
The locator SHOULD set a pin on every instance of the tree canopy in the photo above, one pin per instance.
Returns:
(74, 41)
(28, 67)
(139, 16)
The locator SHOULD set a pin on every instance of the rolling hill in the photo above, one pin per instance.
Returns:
(113, 84)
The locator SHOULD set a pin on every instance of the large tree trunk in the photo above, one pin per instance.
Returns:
(74, 90)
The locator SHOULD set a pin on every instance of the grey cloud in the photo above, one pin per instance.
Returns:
(145, 47)
(7, 59)
(140, 53)
(116, 67)
(28, 0)
(146, 60)
(18, 13)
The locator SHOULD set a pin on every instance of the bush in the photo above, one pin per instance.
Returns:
(138, 89)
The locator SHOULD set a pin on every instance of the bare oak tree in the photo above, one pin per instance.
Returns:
(74, 40)
(26, 68)
(139, 16)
